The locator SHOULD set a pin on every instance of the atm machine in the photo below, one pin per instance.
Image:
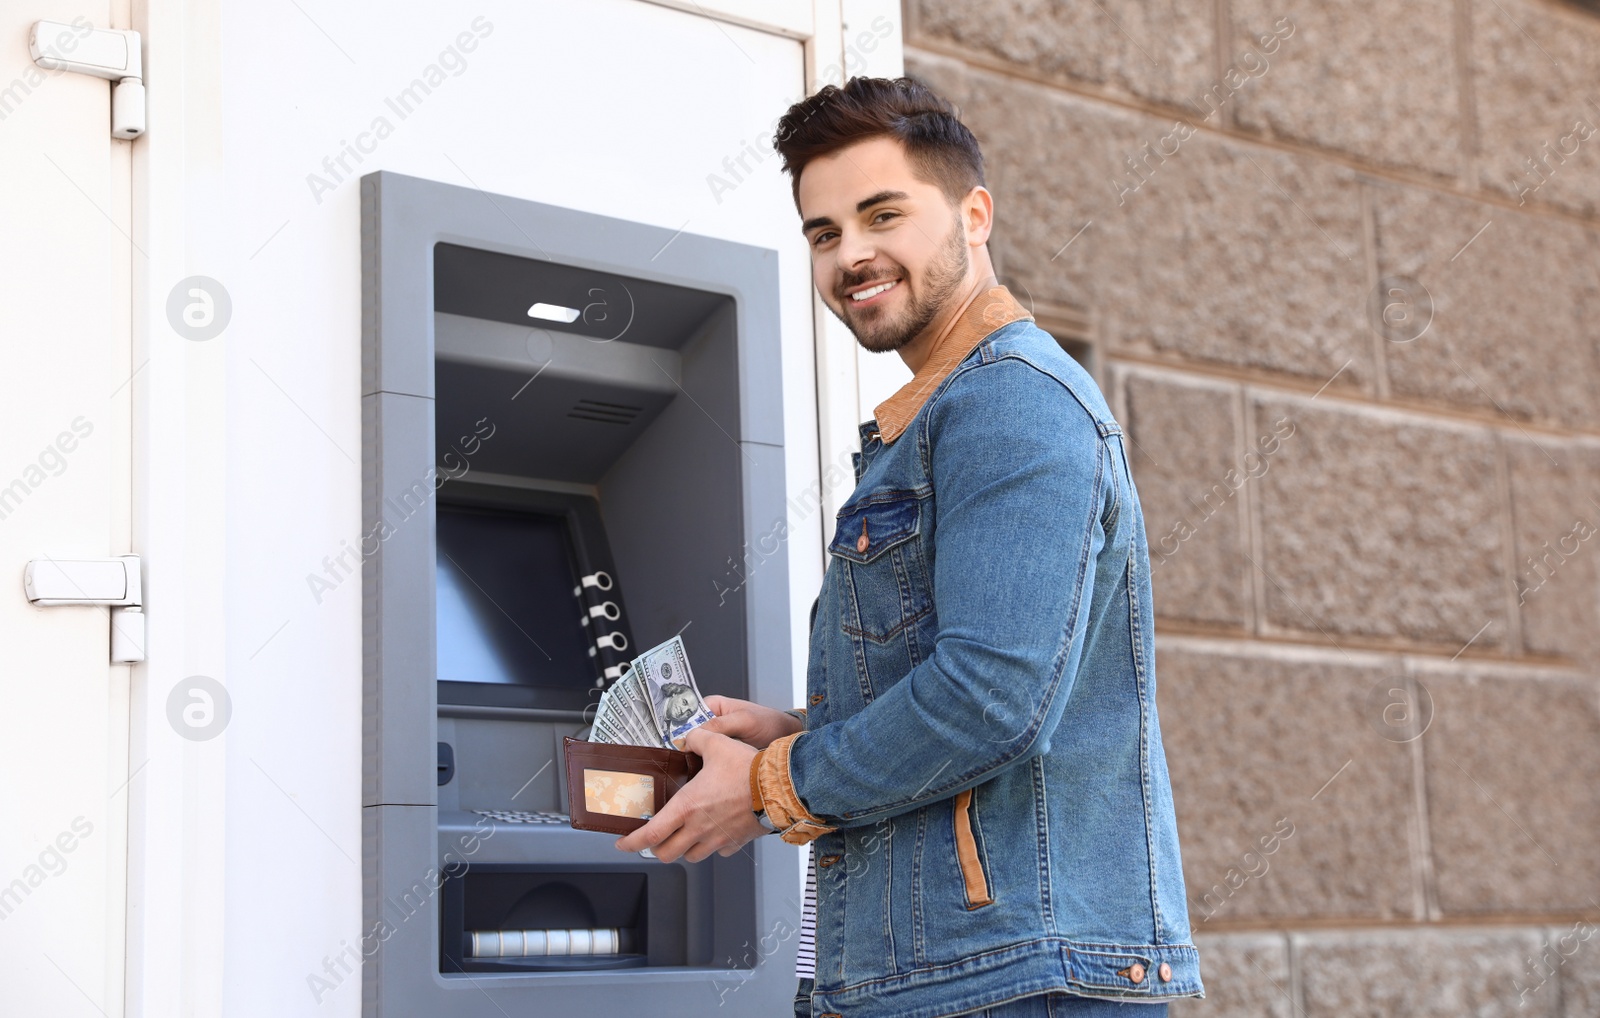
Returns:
(572, 424)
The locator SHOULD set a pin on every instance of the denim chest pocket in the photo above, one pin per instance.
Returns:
(886, 586)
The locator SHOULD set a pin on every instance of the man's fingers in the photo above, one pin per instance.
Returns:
(734, 726)
(676, 846)
(695, 842)
(702, 737)
(641, 839)
(695, 739)
(633, 840)
(656, 830)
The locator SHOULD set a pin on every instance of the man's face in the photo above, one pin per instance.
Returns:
(870, 221)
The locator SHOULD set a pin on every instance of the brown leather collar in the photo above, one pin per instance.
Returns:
(989, 307)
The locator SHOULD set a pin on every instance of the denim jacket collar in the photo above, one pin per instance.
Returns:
(988, 308)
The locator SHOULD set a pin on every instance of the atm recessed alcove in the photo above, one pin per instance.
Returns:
(547, 498)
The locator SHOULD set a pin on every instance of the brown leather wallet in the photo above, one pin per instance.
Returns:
(616, 788)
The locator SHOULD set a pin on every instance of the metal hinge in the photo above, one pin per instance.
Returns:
(105, 583)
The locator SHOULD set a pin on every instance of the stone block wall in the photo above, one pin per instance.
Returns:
(1337, 267)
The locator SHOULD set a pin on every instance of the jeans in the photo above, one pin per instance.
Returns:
(1041, 1005)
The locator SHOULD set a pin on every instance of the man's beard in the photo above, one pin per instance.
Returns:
(940, 284)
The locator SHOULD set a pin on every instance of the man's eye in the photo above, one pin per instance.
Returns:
(886, 212)
(820, 238)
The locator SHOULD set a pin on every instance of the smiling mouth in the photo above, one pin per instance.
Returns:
(863, 296)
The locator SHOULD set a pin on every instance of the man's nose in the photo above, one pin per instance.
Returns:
(855, 253)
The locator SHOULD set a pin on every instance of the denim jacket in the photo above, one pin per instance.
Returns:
(981, 773)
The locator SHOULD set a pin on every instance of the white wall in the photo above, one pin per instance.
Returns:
(64, 413)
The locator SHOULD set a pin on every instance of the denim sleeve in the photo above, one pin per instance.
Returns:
(1022, 481)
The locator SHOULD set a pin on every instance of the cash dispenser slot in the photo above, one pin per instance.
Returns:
(568, 447)
(550, 918)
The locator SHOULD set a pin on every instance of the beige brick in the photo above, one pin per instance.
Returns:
(1246, 976)
(945, 75)
(1514, 307)
(1184, 453)
(1417, 973)
(1513, 810)
(1253, 740)
(1535, 67)
(1569, 956)
(1158, 50)
(1219, 252)
(1374, 79)
(1382, 527)
(1555, 498)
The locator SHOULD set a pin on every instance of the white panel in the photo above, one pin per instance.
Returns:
(177, 798)
(63, 495)
(792, 18)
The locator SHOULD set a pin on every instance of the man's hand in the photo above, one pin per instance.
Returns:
(749, 722)
(709, 814)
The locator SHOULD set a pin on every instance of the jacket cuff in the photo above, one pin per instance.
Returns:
(756, 805)
(772, 788)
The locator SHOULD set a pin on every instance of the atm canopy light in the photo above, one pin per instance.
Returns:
(553, 313)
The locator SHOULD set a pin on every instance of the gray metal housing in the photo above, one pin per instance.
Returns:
(683, 501)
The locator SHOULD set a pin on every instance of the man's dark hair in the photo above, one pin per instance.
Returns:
(939, 147)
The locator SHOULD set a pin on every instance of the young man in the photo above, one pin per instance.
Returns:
(979, 770)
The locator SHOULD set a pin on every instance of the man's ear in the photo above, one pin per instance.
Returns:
(977, 215)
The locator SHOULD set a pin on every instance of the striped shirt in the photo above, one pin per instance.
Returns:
(805, 960)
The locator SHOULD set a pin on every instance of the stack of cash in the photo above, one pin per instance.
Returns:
(655, 703)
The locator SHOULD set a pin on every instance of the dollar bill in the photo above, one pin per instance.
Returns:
(607, 727)
(633, 703)
(671, 694)
(618, 721)
(605, 731)
(655, 703)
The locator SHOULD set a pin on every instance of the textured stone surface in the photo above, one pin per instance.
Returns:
(1514, 308)
(1218, 251)
(1417, 974)
(1556, 523)
(1535, 67)
(1250, 740)
(1513, 807)
(1381, 526)
(1378, 528)
(1374, 79)
(1570, 957)
(1184, 453)
(1246, 976)
(1158, 49)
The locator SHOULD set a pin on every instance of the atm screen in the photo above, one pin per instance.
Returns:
(505, 610)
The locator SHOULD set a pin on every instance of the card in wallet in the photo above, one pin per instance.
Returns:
(616, 788)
